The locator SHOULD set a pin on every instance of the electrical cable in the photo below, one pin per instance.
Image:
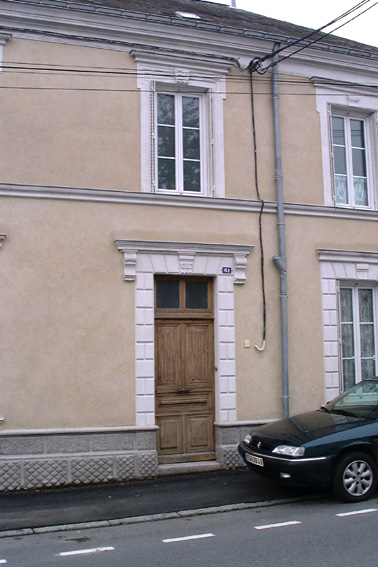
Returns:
(260, 214)
(259, 61)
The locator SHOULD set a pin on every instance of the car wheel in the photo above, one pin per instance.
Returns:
(355, 477)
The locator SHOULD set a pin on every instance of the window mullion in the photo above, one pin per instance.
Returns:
(349, 161)
(357, 333)
(179, 145)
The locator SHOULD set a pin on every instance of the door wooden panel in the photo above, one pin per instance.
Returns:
(184, 389)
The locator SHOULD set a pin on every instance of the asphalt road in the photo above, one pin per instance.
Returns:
(167, 494)
(317, 533)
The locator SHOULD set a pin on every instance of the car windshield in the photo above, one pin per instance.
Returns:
(360, 401)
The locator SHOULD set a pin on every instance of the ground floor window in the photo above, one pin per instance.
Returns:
(358, 322)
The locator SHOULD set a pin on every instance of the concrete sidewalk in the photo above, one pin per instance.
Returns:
(139, 499)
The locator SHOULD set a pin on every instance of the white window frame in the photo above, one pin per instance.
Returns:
(360, 104)
(179, 159)
(177, 72)
(347, 116)
(355, 288)
(341, 268)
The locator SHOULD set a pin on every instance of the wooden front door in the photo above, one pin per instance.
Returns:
(184, 370)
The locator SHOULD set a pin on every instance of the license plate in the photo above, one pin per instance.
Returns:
(254, 460)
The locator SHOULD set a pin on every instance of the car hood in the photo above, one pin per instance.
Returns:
(305, 427)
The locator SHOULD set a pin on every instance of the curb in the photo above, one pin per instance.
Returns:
(155, 517)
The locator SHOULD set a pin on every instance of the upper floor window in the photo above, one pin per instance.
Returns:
(180, 142)
(350, 161)
(182, 138)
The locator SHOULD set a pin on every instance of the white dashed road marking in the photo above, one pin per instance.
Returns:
(3, 560)
(280, 525)
(187, 538)
(368, 511)
(85, 551)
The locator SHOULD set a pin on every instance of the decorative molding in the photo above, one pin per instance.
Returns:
(186, 254)
(192, 201)
(351, 256)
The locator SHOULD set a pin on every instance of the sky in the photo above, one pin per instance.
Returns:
(316, 13)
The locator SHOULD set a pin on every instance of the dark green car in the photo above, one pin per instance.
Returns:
(335, 446)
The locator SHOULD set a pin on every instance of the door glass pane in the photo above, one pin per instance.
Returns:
(192, 176)
(196, 296)
(167, 294)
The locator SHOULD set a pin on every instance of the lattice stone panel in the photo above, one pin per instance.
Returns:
(126, 468)
(50, 472)
(92, 470)
(231, 458)
(148, 466)
(10, 475)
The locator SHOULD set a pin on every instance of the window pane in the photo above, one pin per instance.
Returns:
(359, 162)
(191, 144)
(192, 176)
(196, 295)
(368, 370)
(365, 301)
(166, 174)
(341, 189)
(166, 109)
(190, 111)
(367, 340)
(360, 191)
(338, 131)
(347, 340)
(166, 141)
(348, 374)
(346, 305)
(357, 133)
(167, 294)
(340, 160)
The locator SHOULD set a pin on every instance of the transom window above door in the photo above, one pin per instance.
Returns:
(180, 141)
(187, 296)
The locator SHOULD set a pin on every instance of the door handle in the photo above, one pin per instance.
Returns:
(184, 390)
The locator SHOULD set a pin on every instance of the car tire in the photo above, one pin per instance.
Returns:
(355, 477)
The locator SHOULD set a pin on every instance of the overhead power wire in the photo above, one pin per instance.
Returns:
(256, 63)
(321, 38)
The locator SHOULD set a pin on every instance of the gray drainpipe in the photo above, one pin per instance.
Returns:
(280, 260)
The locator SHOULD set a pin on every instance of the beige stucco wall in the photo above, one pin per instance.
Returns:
(300, 139)
(82, 129)
(67, 333)
(70, 128)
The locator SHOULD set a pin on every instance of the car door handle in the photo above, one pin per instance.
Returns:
(184, 390)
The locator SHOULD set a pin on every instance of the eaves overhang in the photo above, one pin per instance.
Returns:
(80, 22)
